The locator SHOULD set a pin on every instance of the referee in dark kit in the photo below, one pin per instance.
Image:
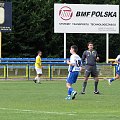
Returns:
(90, 57)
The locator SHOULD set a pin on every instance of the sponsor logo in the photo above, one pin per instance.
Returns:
(66, 13)
(96, 14)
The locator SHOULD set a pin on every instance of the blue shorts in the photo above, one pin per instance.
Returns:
(118, 70)
(72, 77)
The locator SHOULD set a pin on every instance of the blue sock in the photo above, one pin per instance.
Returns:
(70, 91)
(112, 79)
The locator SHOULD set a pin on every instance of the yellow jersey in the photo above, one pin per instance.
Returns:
(38, 63)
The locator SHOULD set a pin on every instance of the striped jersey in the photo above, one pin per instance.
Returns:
(76, 61)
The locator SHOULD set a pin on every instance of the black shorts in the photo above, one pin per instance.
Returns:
(91, 70)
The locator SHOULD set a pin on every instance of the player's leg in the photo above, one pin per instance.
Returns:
(36, 75)
(87, 74)
(39, 74)
(113, 79)
(70, 89)
(72, 77)
(71, 92)
(75, 76)
(116, 77)
(35, 79)
(96, 85)
(38, 78)
(84, 85)
(94, 74)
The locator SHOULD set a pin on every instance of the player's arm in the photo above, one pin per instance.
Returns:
(69, 63)
(81, 69)
(81, 64)
(97, 57)
(83, 57)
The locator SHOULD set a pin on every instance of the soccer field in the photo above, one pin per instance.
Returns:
(25, 100)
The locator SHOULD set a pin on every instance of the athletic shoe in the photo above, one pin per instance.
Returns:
(68, 98)
(35, 81)
(109, 81)
(82, 93)
(73, 95)
(39, 83)
(96, 92)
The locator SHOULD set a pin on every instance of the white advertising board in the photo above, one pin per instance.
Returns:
(86, 18)
(1, 15)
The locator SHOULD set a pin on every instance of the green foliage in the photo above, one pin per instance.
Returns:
(33, 29)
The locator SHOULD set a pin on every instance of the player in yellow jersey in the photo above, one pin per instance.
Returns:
(38, 67)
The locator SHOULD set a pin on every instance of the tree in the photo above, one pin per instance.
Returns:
(33, 29)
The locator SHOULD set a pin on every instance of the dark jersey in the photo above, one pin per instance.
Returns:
(90, 57)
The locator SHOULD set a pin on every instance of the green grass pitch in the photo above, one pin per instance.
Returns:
(25, 100)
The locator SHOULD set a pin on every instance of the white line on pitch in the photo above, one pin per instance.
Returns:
(41, 112)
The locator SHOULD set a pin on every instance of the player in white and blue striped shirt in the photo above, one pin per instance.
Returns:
(75, 66)
(117, 60)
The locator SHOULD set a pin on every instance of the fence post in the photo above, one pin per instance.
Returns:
(115, 70)
(50, 72)
(27, 72)
(5, 71)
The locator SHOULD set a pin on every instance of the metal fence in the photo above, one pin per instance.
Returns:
(53, 68)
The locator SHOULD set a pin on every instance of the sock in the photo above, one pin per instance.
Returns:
(84, 86)
(35, 78)
(68, 95)
(38, 79)
(70, 90)
(96, 84)
(112, 79)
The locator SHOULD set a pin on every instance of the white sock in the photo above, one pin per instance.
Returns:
(38, 80)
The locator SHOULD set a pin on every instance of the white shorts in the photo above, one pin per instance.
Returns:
(38, 70)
